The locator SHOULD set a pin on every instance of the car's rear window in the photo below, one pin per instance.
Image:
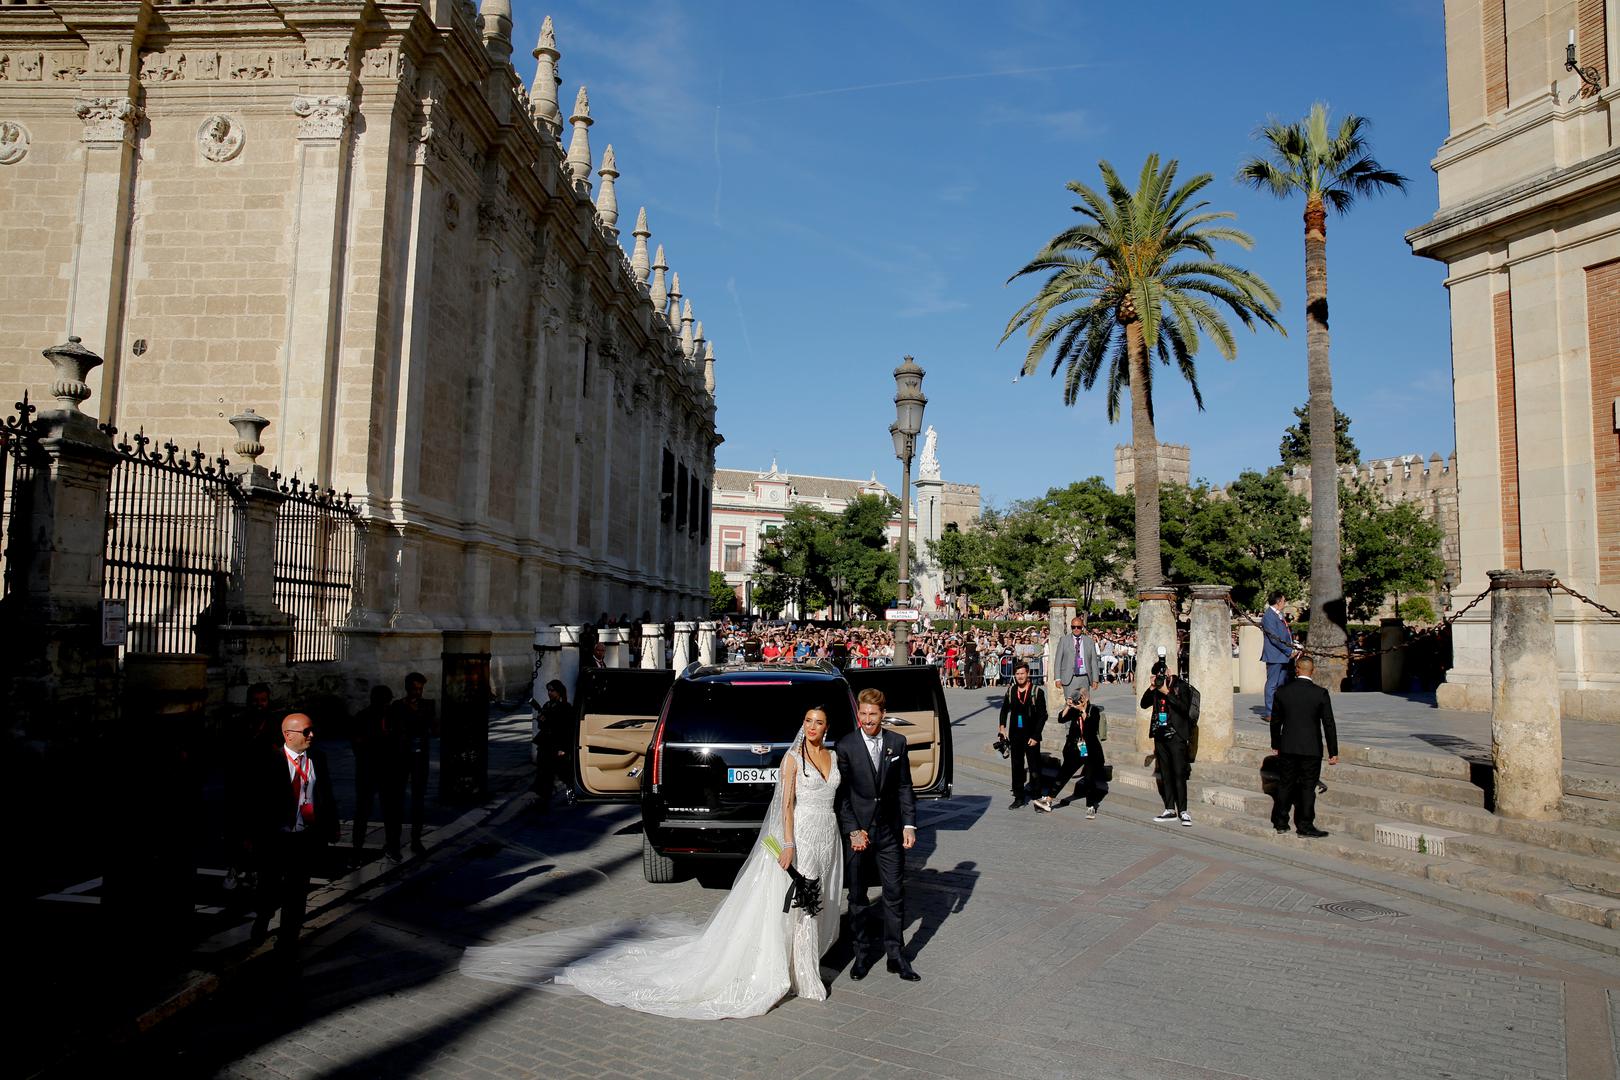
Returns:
(754, 710)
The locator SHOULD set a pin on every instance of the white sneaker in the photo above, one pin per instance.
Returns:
(1186, 819)
(1044, 805)
(1091, 813)
(1167, 815)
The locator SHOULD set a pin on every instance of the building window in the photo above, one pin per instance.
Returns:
(732, 563)
(666, 497)
(680, 497)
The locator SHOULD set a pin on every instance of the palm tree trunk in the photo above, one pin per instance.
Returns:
(1145, 451)
(1328, 636)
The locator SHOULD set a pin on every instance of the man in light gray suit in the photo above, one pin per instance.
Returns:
(1075, 664)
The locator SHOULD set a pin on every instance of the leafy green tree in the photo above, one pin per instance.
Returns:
(791, 568)
(1296, 441)
(1138, 278)
(1388, 550)
(967, 555)
(1330, 168)
(1275, 536)
(861, 553)
(1088, 528)
(1417, 609)
(722, 597)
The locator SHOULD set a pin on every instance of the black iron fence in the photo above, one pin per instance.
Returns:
(318, 553)
(17, 450)
(174, 536)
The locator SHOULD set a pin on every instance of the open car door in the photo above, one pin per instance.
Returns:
(916, 709)
(618, 712)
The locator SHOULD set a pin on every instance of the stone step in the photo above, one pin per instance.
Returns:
(1135, 789)
(1401, 780)
(1573, 837)
(1598, 813)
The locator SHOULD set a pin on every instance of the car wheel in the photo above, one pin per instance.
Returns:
(657, 869)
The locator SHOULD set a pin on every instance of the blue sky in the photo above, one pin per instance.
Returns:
(841, 184)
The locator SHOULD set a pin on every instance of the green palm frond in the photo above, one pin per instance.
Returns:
(1157, 245)
(1315, 159)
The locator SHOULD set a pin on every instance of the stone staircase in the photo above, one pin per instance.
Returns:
(1423, 814)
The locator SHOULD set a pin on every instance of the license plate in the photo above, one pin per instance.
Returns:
(751, 776)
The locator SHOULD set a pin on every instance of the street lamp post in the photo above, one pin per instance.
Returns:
(909, 402)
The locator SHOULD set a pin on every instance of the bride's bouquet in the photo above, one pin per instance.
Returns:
(803, 892)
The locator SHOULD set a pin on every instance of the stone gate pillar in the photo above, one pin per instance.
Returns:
(1526, 725)
(707, 640)
(61, 677)
(255, 642)
(1155, 630)
(1209, 664)
(652, 645)
(683, 645)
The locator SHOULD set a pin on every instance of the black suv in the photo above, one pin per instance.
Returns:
(701, 751)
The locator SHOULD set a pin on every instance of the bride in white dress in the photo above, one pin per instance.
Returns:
(748, 956)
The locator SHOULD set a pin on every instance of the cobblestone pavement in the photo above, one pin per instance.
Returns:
(1049, 947)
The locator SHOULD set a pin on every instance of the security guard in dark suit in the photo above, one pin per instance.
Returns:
(1301, 719)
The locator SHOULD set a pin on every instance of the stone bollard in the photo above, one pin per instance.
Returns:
(1251, 677)
(1155, 629)
(652, 645)
(617, 653)
(1209, 664)
(707, 640)
(1058, 613)
(683, 645)
(1392, 661)
(568, 659)
(1526, 725)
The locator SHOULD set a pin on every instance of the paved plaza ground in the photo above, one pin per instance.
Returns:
(1049, 947)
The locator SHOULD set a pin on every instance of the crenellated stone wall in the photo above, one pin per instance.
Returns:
(1432, 484)
(352, 217)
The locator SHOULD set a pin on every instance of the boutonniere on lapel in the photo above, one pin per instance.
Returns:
(889, 755)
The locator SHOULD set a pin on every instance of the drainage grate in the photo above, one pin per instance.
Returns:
(1361, 910)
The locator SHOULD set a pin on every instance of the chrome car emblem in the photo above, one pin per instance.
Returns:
(761, 749)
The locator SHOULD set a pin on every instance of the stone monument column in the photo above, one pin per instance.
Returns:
(617, 655)
(1155, 630)
(707, 639)
(1526, 724)
(568, 659)
(1058, 613)
(108, 93)
(1251, 669)
(309, 380)
(683, 645)
(257, 637)
(652, 645)
(1209, 663)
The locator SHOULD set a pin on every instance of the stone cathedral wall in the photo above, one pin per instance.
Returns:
(353, 218)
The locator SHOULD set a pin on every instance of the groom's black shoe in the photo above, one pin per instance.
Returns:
(858, 970)
(1018, 803)
(902, 968)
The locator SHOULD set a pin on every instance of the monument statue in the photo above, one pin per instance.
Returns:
(928, 468)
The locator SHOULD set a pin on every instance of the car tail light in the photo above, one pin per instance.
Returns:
(658, 745)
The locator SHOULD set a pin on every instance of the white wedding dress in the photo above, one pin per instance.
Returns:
(748, 956)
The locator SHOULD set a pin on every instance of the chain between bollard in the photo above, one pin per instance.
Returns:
(1583, 598)
(1416, 638)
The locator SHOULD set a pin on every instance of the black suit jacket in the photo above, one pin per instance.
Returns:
(1301, 717)
(883, 803)
(1034, 715)
(272, 803)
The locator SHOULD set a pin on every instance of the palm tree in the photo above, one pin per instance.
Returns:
(1330, 168)
(1137, 278)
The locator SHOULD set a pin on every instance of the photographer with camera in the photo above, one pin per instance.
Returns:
(1169, 699)
(1023, 716)
(1083, 754)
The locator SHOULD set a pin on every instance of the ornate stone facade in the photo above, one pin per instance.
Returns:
(353, 218)
(1529, 229)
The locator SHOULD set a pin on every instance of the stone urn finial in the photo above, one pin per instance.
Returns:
(249, 427)
(72, 362)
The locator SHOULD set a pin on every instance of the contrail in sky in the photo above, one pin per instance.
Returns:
(911, 82)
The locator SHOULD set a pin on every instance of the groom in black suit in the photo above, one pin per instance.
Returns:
(877, 813)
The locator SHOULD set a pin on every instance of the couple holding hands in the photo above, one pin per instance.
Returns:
(842, 816)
